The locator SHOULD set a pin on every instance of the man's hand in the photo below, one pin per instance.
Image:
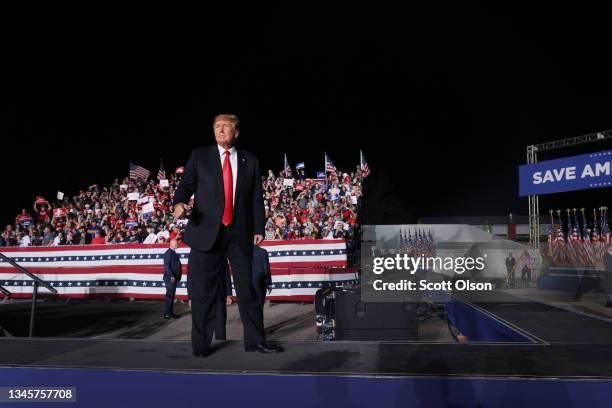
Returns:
(173, 280)
(257, 239)
(229, 301)
(179, 210)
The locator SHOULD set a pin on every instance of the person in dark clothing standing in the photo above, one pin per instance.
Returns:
(227, 218)
(172, 276)
(262, 277)
(510, 264)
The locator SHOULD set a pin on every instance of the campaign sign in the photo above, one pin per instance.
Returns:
(587, 171)
(148, 208)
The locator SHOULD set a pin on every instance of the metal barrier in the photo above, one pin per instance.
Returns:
(36, 282)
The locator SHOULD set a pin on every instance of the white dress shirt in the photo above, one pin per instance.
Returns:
(234, 164)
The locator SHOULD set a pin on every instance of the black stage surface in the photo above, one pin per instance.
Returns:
(564, 344)
(337, 358)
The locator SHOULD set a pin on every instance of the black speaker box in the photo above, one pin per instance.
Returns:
(374, 321)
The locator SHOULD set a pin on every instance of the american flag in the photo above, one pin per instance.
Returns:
(287, 167)
(595, 227)
(577, 240)
(574, 232)
(138, 172)
(364, 165)
(420, 243)
(605, 228)
(559, 253)
(409, 242)
(551, 239)
(329, 166)
(161, 174)
(586, 241)
(570, 253)
(299, 268)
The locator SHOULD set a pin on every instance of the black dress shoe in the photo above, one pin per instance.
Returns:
(264, 348)
(166, 316)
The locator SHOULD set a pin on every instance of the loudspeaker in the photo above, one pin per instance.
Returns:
(374, 321)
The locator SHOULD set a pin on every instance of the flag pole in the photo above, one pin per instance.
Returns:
(360, 160)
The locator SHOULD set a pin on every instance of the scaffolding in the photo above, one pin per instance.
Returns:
(532, 157)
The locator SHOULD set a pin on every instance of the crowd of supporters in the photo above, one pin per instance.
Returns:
(140, 211)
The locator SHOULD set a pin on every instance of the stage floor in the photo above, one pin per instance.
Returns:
(567, 343)
(315, 358)
(120, 319)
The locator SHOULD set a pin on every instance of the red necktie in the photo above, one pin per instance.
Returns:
(228, 187)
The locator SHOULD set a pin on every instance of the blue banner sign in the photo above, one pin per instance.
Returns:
(582, 172)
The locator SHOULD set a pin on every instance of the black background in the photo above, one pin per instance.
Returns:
(443, 102)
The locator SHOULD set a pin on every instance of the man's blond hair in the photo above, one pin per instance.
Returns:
(228, 116)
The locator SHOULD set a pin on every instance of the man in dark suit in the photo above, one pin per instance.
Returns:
(226, 220)
(172, 276)
(262, 276)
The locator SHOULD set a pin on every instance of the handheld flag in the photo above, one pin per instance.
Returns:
(138, 172)
(363, 164)
(161, 174)
(287, 167)
(329, 166)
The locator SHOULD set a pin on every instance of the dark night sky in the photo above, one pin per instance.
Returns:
(442, 105)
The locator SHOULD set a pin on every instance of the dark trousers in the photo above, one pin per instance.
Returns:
(260, 288)
(206, 271)
(170, 292)
(221, 316)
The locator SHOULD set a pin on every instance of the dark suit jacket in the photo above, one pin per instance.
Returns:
(203, 177)
(172, 265)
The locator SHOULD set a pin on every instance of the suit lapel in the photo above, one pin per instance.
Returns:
(241, 174)
(216, 168)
